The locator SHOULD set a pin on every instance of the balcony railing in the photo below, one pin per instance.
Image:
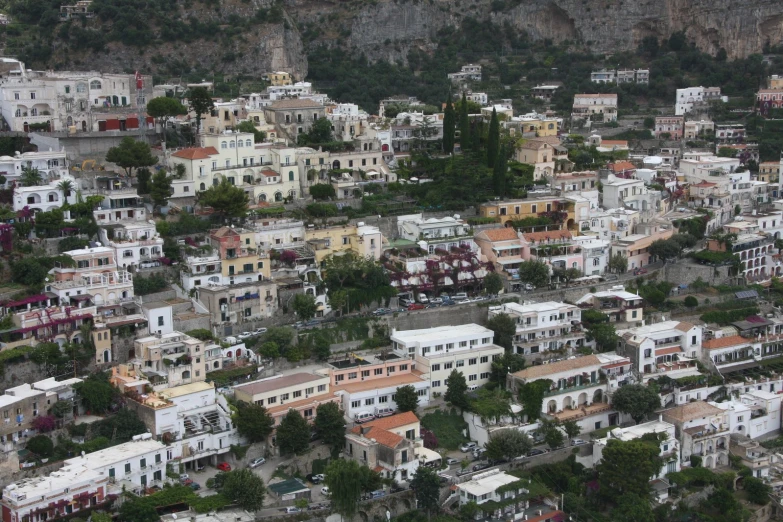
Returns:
(570, 389)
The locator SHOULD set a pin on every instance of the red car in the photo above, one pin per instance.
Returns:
(224, 466)
(416, 306)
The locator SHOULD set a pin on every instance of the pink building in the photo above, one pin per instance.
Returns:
(553, 247)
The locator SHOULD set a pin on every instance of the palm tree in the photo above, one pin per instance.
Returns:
(66, 186)
(31, 177)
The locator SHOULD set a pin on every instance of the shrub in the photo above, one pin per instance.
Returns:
(691, 302)
(41, 445)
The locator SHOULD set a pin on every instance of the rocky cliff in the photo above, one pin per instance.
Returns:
(388, 29)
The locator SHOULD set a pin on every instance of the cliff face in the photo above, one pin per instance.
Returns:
(388, 29)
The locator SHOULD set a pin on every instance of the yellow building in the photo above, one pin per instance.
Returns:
(280, 78)
(769, 171)
(361, 239)
(539, 127)
(239, 260)
(513, 210)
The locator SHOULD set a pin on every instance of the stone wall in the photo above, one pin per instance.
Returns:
(163, 295)
(192, 322)
(685, 271)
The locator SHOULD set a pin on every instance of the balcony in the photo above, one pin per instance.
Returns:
(570, 389)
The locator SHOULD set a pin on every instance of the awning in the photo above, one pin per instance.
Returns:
(739, 368)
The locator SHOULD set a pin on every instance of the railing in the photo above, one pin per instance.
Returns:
(571, 389)
(279, 226)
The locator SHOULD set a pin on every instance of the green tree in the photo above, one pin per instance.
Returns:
(406, 399)
(41, 445)
(293, 434)
(162, 108)
(200, 103)
(571, 428)
(604, 335)
(691, 302)
(320, 132)
(508, 444)
(505, 329)
(160, 188)
(426, 484)
(248, 126)
(322, 349)
(499, 173)
(100, 517)
(727, 152)
(553, 436)
(636, 400)
(49, 224)
(344, 479)
(270, 349)
(31, 177)
(758, 492)
(225, 199)
(626, 468)
(96, 392)
(508, 363)
(138, 510)
(618, 263)
(330, 425)
(143, 178)
(464, 124)
(245, 488)
(323, 191)
(493, 139)
(456, 390)
(665, 249)
(131, 154)
(531, 395)
(305, 306)
(535, 273)
(28, 271)
(631, 507)
(567, 274)
(449, 124)
(493, 283)
(66, 186)
(253, 422)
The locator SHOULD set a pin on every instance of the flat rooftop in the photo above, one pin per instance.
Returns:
(439, 333)
(394, 381)
(277, 383)
(115, 454)
(186, 389)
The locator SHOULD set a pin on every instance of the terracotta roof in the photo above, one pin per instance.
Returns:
(269, 173)
(295, 103)
(543, 370)
(549, 234)
(684, 327)
(723, 342)
(667, 351)
(620, 166)
(704, 184)
(254, 388)
(384, 437)
(614, 142)
(500, 234)
(616, 365)
(535, 144)
(385, 382)
(393, 421)
(692, 410)
(314, 400)
(223, 232)
(196, 153)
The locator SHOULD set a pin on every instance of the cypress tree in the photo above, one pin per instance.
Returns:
(448, 126)
(476, 132)
(493, 139)
(464, 124)
(499, 173)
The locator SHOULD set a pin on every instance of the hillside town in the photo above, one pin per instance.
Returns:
(281, 306)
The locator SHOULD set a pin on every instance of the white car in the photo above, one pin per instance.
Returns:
(230, 340)
(292, 509)
(257, 462)
(320, 477)
(244, 335)
(325, 491)
(468, 447)
(259, 331)
(451, 461)
(578, 442)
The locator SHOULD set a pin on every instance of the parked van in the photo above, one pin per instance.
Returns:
(363, 417)
(423, 299)
(231, 340)
(473, 387)
(462, 296)
(384, 412)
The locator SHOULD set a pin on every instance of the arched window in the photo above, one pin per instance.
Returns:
(231, 180)
(223, 145)
(240, 144)
(81, 87)
(292, 193)
(596, 261)
(231, 145)
(262, 197)
(248, 143)
(278, 196)
(202, 187)
(291, 175)
(95, 84)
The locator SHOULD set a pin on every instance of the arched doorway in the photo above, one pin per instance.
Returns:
(131, 354)
(551, 407)
(582, 399)
(84, 126)
(106, 356)
(239, 353)
(186, 374)
(335, 163)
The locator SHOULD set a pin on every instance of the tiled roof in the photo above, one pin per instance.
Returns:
(394, 421)
(683, 326)
(723, 342)
(667, 351)
(543, 370)
(254, 388)
(620, 166)
(196, 153)
(385, 382)
(614, 142)
(704, 184)
(501, 234)
(384, 437)
(534, 144)
(223, 232)
(549, 234)
(269, 173)
(692, 410)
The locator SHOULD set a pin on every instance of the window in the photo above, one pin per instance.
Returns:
(379, 371)
(291, 176)
(16, 96)
(271, 400)
(339, 377)
(403, 367)
(95, 84)
(472, 377)
(356, 404)
(352, 375)
(383, 399)
(160, 321)
(739, 418)
(297, 393)
(460, 363)
(309, 391)
(143, 463)
(127, 468)
(463, 344)
(32, 95)
(484, 375)
(436, 384)
(472, 361)
(693, 339)
(421, 393)
(448, 365)
(321, 387)
(435, 367)
(391, 369)
(485, 359)
(369, 402)
(365, 373)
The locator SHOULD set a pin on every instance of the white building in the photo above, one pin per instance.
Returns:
(595, 107)
(139, 463)
(691, 97)
(125, 227)
(596, 254)
(625, 193)
(51, 164)
(468, 72)
(348, 121)
(544, 326)
(754, 414)
(436, 233)
(669, 444)
(667, 348)
(438, 351)
(95, 273)
(279, 234)
(702, 430)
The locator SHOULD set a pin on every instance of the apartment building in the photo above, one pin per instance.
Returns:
(696, 129)
(53, 165)
(596, 107)
(595, 254)
(702, 430)
(635, 247)
(753, 414)
(95, 273)
(361, 239)
(670, 348)
(240, 259)
(543, 327)
(302, 391)
(669, 125)
(625, 193)
(467, 72)
(543, 154)
(238, 303)
(20, 405)
(469, 349)
(39, 198)
(555, 248)
(503, 248)
(619, 305)
(192, 419)
(692, 98)
(545, 91)
(769, 99)
(668, 443)
(390, 445)
(173, 359)
(293, 117)
(138, 463)
(574, 206)
(44, 318)
(279, 234)
(125, 227)
(729, 133)
(755, 250)
(444, 233)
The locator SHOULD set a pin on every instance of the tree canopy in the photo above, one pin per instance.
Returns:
(330, 425)
(508, 444)
(637, 400)
(247, 126)
(305, 306)
(626, 467)
(164, 107)
(534, 272)
(201, 103)
(226, 199)
(406, 399)
(456, 390)
(293, 434)
(245, 488)
(426, 484)
(253, 422)
(345, 480)
(131, 154)
(505, 329)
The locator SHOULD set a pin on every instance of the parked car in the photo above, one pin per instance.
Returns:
(423, 299)
(529, 287)
(416, 306)
(259, 331)
(468, 447)
(224, 466)
(200, 467)
(291, 509)
(378, 493)
(639, 271)
(244, 335)
(230, 340)
(451, 461)
(195, 486)
(183, 477)
(325, 491)
(187, 482)
(479, 452)
(319, 476)
(311, 478)
(462, 296)
(480, 466)
(381, 311)
(405, 302)
(257, 462)
(534, 452)
(363, 417)
(436, 301)
(578, 442)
